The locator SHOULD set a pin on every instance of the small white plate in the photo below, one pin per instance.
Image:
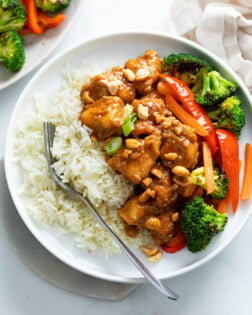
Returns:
(102, 52)
(38, 47)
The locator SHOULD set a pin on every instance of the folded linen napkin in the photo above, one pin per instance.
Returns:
(222, 26)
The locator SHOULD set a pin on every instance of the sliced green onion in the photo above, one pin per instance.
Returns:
(114, 146)
(128, 124)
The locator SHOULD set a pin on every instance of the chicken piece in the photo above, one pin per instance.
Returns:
(179, 144)
(163, 228)
(105, 116)
(166, 192)
(137, 164)
(145, 128)
(146, 69)
(108, 83)
(135, 212)
(152, 107)
(153, 95)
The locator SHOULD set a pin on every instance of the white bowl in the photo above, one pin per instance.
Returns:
(105, 51)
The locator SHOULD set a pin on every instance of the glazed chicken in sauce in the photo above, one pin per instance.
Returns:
(156, 154)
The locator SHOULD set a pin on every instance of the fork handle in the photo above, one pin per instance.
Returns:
(140, 266)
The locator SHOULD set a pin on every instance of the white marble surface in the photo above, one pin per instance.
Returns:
(223, 286)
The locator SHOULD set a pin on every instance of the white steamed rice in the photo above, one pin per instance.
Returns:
(81, 162)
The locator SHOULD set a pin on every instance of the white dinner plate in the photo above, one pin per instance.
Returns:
(38, 47)
(103, 52)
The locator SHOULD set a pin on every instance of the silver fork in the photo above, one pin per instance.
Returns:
(49, 129)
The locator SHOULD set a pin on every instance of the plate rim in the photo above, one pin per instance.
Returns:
(55, 44)
(7, 163)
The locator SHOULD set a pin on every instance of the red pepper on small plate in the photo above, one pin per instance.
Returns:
(37, 21)
(230, 158)
(186, 97)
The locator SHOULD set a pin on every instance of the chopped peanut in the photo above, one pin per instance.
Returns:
(132, 143)
(156, 257)
(183, 181)
(142, 74)
(93, 138)
(129, 75)
(125, 154)
(156, 172)
(113, 86)
(87, 97)
(166, 124)
(175, 216)
(147, 181)
(142, 112)
(143, 197)
(158, 118)
(149, 249)
(171, 156)
(180, 171)
(151, 192)
(152, 223)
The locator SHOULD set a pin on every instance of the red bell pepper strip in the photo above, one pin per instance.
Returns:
(230, 158)
(186, 97)
(38, 22)
(50, 22)
(32, 17)
(175, 244)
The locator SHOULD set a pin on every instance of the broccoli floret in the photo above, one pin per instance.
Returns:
(12, 15)
(200, 222)
(214, 89)
(52, 5)
(221, 182)
(228, 115)
(12, 53)
(186, 67)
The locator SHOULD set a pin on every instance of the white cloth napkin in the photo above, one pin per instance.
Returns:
(222, 26)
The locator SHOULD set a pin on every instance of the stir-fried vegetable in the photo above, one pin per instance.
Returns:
(198, 178)
(128, 124)
(230, 158)
(175, 244)
(214, 89)
(228, 115)
(114, 146)
(247, 182)
(186, 67)
(208, 168)
(200, 222)
(223, 205)
(186, 97)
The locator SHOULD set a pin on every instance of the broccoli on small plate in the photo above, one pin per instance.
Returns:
(52, 5)
(12, 53)
(12, 15)
(200, 222)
